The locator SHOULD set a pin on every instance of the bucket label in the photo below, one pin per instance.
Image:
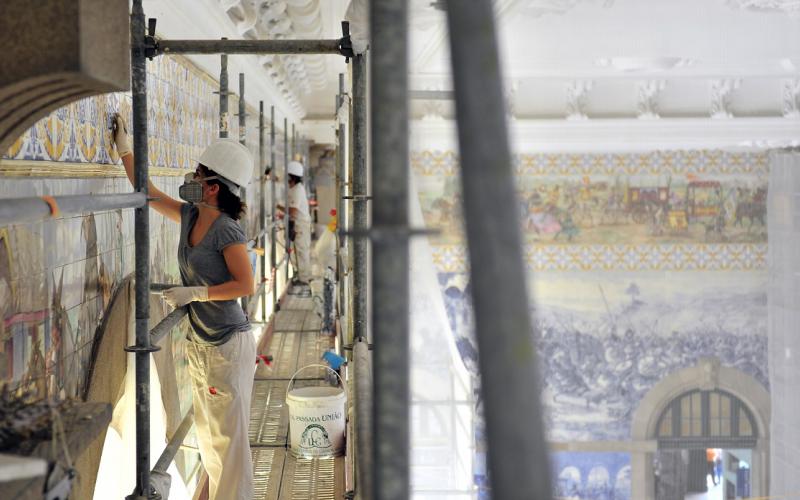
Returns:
(313, 419)
(315, 437)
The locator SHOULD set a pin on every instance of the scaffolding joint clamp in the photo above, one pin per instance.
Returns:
(390, 233)
(345, 43)
(151, 48)
(142, 349)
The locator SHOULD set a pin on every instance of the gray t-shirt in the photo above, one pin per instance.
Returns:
(213, 322)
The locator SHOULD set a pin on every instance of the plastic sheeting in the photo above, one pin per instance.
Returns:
(442, 408)
(784, 316)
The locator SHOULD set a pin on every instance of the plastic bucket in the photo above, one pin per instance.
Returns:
(316, 418)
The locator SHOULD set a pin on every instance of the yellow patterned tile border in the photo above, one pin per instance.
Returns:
(64, 170)
(438, 163)
(675, 257)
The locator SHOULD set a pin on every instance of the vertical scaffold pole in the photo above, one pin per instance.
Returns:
(262, 213)
(390, 255)
(223, 95)
(286, 195)
(273, 231)
(341, 216)
(517, 451)
(341, 167)
(243, 141)
(359, 189)
(142, 348)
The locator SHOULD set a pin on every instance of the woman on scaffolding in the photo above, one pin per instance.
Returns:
(215, 271)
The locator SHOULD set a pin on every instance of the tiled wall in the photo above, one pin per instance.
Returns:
(56, 276)
(639, 264)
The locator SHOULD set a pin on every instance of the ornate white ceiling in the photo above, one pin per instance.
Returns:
(576, 62)
(618, 59)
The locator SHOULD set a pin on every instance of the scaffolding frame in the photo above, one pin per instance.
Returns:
(517, 451)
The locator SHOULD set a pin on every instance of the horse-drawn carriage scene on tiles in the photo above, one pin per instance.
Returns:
(619, 209)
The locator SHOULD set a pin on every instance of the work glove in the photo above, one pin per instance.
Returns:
(120, 136)
(179, 296)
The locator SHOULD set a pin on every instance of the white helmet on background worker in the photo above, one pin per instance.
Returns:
(231, 161)
(295, 168)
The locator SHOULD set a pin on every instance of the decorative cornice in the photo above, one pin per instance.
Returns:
(622, 135)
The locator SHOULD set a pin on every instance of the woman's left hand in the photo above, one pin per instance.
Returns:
(179, 296)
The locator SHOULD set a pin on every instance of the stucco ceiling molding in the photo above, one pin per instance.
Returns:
(282, 19)
(622, 135)
(789, 6)
(721, 91)
(538, 8)
(577, 95)
(791, 98)
(648, 92)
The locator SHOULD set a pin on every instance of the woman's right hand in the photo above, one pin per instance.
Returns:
(120, 136)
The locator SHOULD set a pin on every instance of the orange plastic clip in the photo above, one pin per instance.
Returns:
(51, 202)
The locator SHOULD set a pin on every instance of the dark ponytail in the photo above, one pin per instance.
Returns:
(227, 202)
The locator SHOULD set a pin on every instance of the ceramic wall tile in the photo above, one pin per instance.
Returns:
(181, 121)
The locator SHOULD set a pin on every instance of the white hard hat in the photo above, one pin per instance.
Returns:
(295, 168)
(231, 160)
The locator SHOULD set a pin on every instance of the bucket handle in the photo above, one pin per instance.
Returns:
(291, 380)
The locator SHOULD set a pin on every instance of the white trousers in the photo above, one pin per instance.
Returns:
(302, 249)
(222, 384)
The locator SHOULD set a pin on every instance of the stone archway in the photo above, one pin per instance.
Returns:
(707, 374)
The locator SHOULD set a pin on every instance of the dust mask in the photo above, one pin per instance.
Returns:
(192, 188)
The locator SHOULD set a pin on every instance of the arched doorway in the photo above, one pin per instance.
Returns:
(704, 437)
(701, 407)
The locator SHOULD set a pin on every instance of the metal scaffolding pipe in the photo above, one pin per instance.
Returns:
(359, 184)
(20, 210)
(168, 455)
(223, 95)
(226, 46)
(390, 255)
(518, 462)
(363, 403)
(341, 168)
(242, 112)
(242, 140)
(262, 212)
(273, 247)
(287, 244)
(143, 348)
(167, 324)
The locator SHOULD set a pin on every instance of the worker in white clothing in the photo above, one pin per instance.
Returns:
(300, 218)
(215, 271)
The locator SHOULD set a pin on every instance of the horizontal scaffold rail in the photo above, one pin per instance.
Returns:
(249, 47)
(21, 210)
(167, 324)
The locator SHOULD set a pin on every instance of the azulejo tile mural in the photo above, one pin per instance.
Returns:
(639, 265)
(591, 476)
(605, 340)
(182, 120)
(680, 210)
